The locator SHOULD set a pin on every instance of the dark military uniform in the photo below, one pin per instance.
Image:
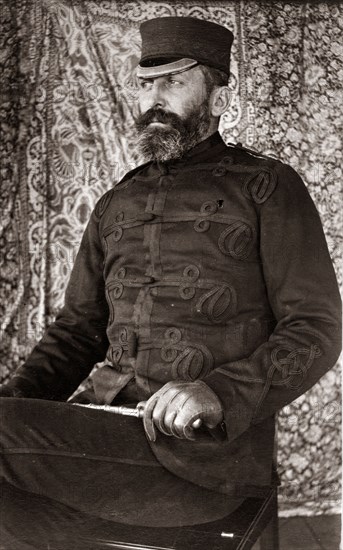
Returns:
(212, 267)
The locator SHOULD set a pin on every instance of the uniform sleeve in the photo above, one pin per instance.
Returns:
(77, 339)
(304, 297)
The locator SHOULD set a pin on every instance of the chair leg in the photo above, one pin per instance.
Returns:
(269, 539)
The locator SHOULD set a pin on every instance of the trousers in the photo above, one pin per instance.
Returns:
(94, 463)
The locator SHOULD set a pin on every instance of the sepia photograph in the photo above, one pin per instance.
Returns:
(171, 273)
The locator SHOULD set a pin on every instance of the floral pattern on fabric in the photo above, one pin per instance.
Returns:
(67, 125)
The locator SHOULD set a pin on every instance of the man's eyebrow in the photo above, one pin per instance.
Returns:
(174, 75)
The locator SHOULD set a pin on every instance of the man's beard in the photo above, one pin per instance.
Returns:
(175, 139)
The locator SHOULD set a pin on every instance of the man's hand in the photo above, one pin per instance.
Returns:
(175, 407)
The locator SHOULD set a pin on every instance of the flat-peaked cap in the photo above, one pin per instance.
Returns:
(175, 44)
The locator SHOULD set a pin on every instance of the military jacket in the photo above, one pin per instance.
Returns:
(212, 267)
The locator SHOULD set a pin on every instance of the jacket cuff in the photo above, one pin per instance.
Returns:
(237, 413)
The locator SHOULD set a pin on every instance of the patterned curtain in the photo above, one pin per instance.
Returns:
(67, 136)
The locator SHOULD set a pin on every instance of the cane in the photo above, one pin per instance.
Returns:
(138, 412)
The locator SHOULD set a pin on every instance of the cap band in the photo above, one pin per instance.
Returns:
(175, 67)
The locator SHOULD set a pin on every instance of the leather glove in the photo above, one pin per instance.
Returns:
(175, 407)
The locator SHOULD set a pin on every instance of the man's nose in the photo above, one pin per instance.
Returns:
(156, 96)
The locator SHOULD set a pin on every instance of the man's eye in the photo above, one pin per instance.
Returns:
(145, 84)
(173, 82)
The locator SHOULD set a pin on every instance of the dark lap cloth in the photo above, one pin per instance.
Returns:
(66, 459)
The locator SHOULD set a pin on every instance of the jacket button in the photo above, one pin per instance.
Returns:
(145, 217)
(148, 280)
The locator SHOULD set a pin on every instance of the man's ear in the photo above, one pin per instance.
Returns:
(220, 100)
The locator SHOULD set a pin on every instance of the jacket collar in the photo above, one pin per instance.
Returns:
(197, 154)
(208, 143)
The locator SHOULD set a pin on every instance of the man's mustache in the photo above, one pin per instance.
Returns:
(156, 114)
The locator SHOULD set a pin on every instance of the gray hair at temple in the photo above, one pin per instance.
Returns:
(213, 77)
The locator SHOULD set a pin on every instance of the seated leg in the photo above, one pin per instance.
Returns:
(98, 463)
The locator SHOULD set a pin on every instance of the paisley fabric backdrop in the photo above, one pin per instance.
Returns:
(67, 136)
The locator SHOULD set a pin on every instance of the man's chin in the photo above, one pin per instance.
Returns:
(159, 129)
(159, 142)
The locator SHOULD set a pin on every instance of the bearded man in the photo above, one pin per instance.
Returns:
(204, 278)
